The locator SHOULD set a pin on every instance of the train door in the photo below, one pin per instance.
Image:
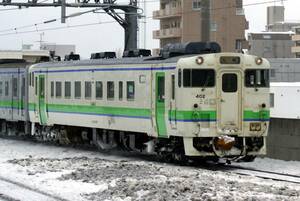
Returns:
(160, 110)
(229, 109)
(42, 100)
(15, 96)
(173, 103)
(22, 103)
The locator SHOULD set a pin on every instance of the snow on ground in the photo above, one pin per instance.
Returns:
(86, 175)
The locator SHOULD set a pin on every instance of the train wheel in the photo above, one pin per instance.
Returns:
(104, 140)
(248, 158)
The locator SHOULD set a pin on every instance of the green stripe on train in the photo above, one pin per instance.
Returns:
(90, 109)
(263, 114)
(188, 115)
(179, 115)
(14, 104)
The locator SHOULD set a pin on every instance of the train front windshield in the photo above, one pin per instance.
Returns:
(199, 78)
(257, 78)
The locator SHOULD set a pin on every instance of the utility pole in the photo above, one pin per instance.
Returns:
(205, 23)
(129, 22)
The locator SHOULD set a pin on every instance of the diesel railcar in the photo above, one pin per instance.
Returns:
(197, 105)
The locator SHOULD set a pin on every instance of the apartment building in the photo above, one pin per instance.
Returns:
(222, 21)
(296, 41)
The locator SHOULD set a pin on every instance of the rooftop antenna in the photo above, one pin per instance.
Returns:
(41, 39)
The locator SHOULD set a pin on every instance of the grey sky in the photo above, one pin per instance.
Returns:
(104, 37)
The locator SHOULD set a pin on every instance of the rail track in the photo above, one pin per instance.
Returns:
(11, 190)
(264, 174)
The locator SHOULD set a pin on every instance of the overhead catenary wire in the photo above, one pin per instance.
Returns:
(61, 27)
(57, 19)
(16, 29)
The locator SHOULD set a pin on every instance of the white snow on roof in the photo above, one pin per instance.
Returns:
(285, 84)
(273, 32)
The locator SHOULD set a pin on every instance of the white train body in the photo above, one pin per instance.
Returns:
(207, 101)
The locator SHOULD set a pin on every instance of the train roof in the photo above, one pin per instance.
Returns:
(13, 63)
(130, 60)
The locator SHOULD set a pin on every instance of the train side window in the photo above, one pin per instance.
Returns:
(77, 89)
(23, 87)
(6, 88)
(272, 100)
(67, 89)
(29, 80)
(52, 89)
(32, 79)
(110, 90)
(15, 86)
(88, 90)
(199, 78)
(179, 78)
(173, 86)
(130, 90)
(120, 90)
(58, 89)
(99, 90)
(161, 89)
(1, 88)
(36, 89)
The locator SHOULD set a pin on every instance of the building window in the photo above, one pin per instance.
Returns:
(120, 90)
(110, 90)
(213, 26)
(58, 89)
(99, 90)
(67, 89)
(197, 4)
(6, 88)
(88, 90)
(77, 89)
(273, 72)
(52, 89)
(238, 44)
(130, 90)
(239, 3)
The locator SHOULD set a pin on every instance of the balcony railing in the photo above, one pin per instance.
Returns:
(296, 37)
(167, 33)
(240, 11)
(167, 13)
(295, 49)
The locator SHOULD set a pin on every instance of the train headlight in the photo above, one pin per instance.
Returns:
(255, 127)
(199, 60)
(258, 61)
